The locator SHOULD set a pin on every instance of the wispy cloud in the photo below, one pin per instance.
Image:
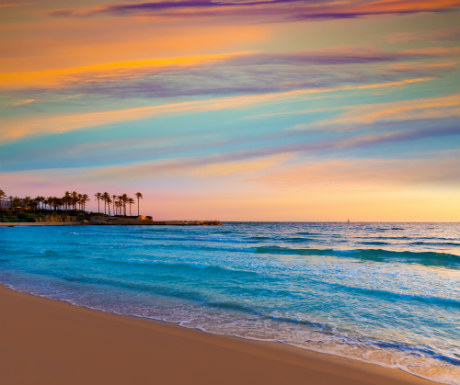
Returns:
(355, 9)
(443, 170)
(262, 158)
(274, 10)
(104, 72)
(18, 103)
(419, 68)
(235, 73)
(436, 36)
(417, 109)
(240, 168)
(14, 128)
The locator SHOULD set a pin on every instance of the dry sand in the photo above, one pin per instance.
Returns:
(52, 342)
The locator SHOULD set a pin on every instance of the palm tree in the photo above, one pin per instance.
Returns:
(84, 199)
(59, 203)
(27, 201)
(119, 204)
(80, 197)
(114, 200)
(51, 202)
(124, 199)
(118, 207)
(105, 197)
(2, 195)
(131, 202)
(40, 200)
(138, 196)
(109, 201)
(16, 203)
(74, 199)
(67, 199)
(98, 196)
(36, 203)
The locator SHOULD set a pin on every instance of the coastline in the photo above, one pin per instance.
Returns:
(14, 224)
(117, 222)
(53, 342)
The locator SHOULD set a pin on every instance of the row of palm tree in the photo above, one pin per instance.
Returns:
(70, 201)
(116, 204)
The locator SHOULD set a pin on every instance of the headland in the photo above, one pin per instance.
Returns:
(112, 221)
(71, 210)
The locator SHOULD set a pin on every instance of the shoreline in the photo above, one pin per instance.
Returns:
(50, 342)
(117, 222)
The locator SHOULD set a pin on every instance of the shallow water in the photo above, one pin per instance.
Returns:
(387, 293)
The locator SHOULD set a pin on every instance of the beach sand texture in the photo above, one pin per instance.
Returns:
(52, 342)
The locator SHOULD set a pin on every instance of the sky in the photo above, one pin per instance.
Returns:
(259, 110)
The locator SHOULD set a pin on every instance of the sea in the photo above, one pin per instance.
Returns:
(385, 293)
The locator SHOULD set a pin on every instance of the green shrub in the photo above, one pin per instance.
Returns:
(26, 217)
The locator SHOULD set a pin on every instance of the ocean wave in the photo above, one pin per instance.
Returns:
(188, 239)
(297, 239)
(391, 295)
(175, 270)
(419, 243)
(355, 290)
(379, 255)
(140, 286)
(194, 296)
(193, 247)
(340, 336)
(179, 266)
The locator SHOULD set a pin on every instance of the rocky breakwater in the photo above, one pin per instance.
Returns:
(187, 223)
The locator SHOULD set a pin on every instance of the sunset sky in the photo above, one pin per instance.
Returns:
(236, 110)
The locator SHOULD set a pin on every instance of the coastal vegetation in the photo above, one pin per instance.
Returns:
(72, 206)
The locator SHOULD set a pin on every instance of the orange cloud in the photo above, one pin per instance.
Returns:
(59, 77)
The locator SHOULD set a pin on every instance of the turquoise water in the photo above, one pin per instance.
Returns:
(387, 293)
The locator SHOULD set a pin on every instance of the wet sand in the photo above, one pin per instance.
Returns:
(51, 342)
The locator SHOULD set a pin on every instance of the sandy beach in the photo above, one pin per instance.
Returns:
(52, 342)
